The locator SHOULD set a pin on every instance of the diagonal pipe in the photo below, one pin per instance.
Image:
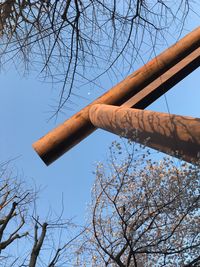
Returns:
(72, 131)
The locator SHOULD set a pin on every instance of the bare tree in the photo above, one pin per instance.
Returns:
(14, 203)
(26, 239)
(144, 212)
(67, 39)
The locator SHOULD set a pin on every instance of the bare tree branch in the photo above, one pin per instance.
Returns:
(75, 42)
(144, 212)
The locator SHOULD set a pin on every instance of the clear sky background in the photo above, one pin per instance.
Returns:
(24, 112)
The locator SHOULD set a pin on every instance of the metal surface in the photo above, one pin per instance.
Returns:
(172, 134)
(75, 129)
(165, 82)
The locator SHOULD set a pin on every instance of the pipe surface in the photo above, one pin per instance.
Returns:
(166, 81)
(176, 135)
(72, 131)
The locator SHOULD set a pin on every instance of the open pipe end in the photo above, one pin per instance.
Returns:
(43, 157)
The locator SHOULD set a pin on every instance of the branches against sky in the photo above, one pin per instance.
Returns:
(25, 238)
(74, 42)
(144, 212)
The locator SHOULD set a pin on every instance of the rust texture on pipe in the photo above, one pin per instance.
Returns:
(75, 129)
(172, 134)
(165, 82)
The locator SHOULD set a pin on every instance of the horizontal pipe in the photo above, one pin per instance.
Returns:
(72, 131)
(175, 135)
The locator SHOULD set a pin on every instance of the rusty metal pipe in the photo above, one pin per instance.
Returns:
(72, 131)
(175, 135)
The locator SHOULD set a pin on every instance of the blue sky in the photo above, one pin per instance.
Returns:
(24, 111)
